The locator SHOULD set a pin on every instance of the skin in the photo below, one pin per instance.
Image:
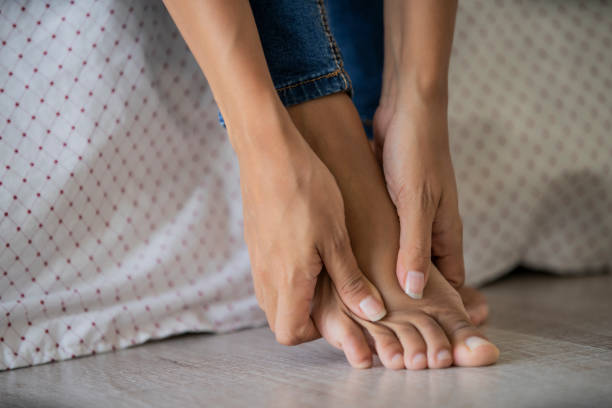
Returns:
(293, 209)
(411, 140)
(415, 334)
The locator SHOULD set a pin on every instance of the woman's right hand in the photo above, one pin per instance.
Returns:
(294, 226)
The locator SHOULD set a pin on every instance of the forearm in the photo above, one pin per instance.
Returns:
(418, 41)
(223, 37)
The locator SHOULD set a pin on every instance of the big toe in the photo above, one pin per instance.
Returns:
(470, 347)
(474, 351)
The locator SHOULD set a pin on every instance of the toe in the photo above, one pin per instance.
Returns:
(478, 313)
(438, 347)
(387, 346)
(475, 304)
(470, 346)
(355, 347)
(342, 332)
(415, 349)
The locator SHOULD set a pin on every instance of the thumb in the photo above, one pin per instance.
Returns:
(354, 288)
(414, 257)
(447, 250)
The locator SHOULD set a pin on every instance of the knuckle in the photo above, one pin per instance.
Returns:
(418, 253)
(460, 324)
(352, 285)
(422, 197)
(338, 241)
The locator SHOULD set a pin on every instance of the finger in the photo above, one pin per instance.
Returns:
(355, 290)
(414, 255)
(293, 323)
(447, 251)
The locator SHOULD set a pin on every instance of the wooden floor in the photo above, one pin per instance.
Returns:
(555, 335)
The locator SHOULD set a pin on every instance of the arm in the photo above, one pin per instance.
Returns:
(293, 210)
(418, 40)
(411, 134)
(223, 39)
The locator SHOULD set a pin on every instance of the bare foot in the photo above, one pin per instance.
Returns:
(435, 331)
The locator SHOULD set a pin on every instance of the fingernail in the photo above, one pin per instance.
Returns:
(418, 360)
(474, 342)
(443, 355)
(372, 308)
(415, 283)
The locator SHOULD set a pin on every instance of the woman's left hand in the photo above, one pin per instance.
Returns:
(412, 143)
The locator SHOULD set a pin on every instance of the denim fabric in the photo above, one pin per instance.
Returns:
(357, 26)
(302, 40)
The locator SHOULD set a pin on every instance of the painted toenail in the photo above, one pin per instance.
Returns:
(372, 309)
(444, 355)
(415, 283)
(474, 342)
(398, 358)
(418, 360)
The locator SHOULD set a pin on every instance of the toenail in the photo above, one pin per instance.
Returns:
(418, 360)
(444, 355)
(415, 283)
(372, 309)
(398, 358)
(474, 342)
(363, 364)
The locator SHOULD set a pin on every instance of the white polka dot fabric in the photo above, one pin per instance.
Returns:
(119, 195)
(120, 198)
(531, 129)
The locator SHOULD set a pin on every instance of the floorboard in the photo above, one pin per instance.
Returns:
(555, 334)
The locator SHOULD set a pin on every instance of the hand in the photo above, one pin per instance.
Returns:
(294, 227)
(412, 143)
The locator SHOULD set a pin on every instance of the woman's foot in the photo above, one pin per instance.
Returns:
(432, 332)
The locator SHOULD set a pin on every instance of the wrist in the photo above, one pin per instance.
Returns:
(413, 89)
(428, 92)
(264, 131)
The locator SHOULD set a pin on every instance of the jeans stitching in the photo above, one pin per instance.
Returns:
(328, 75)
(333, 46)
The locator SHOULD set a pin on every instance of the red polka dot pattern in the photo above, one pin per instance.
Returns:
(119, 193)
(531, 129)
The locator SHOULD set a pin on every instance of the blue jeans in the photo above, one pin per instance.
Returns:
(316, 48)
